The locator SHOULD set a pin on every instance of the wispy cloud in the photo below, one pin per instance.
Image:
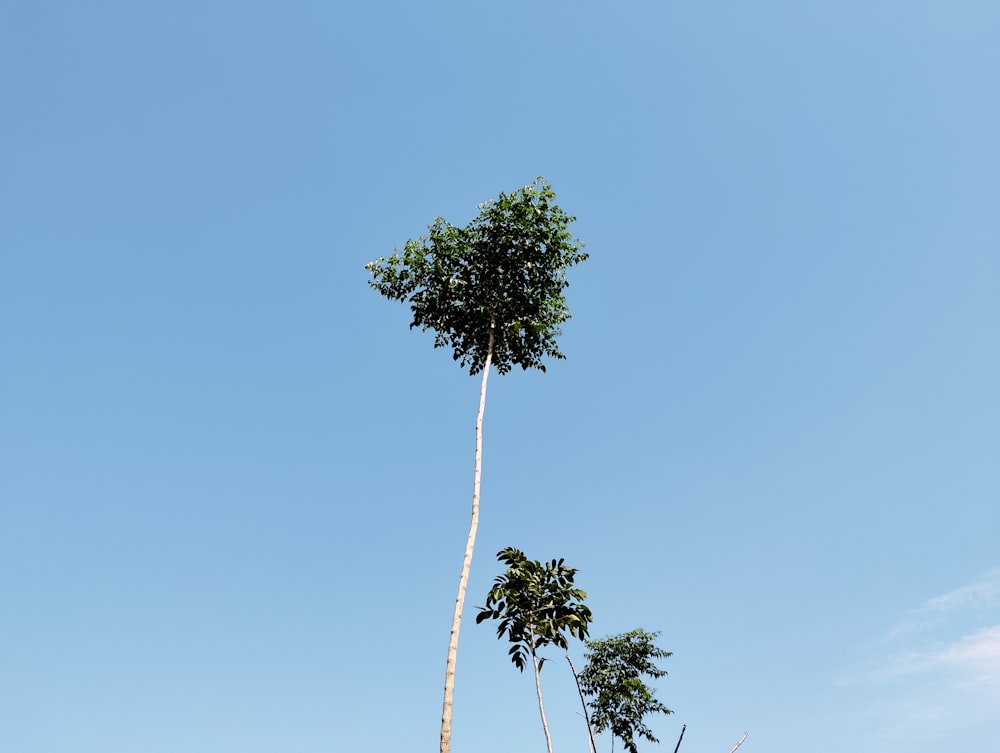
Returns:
(958, 631)
(970, 659)
(984, 591)
(936, 673)
(980, 597)
(976, 655)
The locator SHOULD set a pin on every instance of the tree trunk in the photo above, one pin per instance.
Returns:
(538, 690)
(586, 715)
(470, 544)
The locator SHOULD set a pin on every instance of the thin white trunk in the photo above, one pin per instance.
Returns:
(538, 690)
(470, 544)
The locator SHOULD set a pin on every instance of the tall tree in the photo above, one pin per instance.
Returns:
(613, 680)
(537, 606)
(493, 292)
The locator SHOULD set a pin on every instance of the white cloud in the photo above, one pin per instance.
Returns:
(935, 675)
(976, 655)
(971, 658)
(981, 597)
(982, 592)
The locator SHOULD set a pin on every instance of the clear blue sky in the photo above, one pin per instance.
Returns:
(234, 487)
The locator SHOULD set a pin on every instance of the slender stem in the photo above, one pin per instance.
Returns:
(470, 544)
(739, 743)
(538, 690)
(586, 716)
(678, 747)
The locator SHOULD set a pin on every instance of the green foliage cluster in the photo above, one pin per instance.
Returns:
(613, 680)
(503, 274)
(536, 604)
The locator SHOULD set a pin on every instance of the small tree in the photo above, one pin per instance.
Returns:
(492, 292)
(613, 680)
(537, 606)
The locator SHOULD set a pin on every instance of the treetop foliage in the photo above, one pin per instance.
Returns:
(536, 603)
(505, 271)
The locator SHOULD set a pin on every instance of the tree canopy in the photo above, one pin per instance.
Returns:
(613, 680)
(536, 604)
(503, 274)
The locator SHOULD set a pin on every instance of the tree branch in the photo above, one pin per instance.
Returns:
(678, 747)
(586, 717)
(733, 750)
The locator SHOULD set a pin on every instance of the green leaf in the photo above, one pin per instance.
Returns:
(506, 268)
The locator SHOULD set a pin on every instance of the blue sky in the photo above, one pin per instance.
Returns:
(234, 487)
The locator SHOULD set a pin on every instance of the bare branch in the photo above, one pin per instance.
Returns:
(733, 750)
(586, 718)
(678, 747)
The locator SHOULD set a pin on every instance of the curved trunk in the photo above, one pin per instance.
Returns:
(470, 544)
